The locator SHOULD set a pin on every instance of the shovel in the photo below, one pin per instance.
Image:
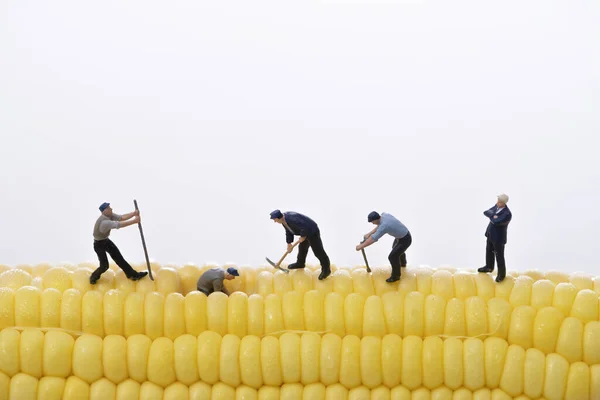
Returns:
(287, 271)
(144, 244)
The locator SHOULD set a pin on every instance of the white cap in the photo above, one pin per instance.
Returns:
(503, 198)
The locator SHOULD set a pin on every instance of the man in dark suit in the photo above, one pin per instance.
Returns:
(500, 216)
(296, 224)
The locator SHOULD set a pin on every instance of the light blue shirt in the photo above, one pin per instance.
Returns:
(390, 225)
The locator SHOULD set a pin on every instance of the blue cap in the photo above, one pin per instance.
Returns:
(373, 215)
(233, 271)
(103, 206)
(276, 214)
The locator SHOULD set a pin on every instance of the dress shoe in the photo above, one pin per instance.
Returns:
(499, 278)
(296, 266)
(485, 269)
(324, 274)
(392, 279)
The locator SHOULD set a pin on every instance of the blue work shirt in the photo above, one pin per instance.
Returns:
(390, 225)
(300, 225)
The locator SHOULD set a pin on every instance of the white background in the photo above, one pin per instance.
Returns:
(213, 113)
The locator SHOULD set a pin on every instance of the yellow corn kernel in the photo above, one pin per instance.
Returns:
(292, 308)
(314, 391)
(167, 281)
(504, 288)
(473, 355)
(31, 344)
(49, 308)
(424, 281)
(495, 355)
(498, 394)
(486, 288)
(400, 393)
(195, 312)
(176, 391)
(138, 351)
(264, 283)
(282, 283)
(521, 292)
(464, 285)
(334, 314)
(310, 345)
(229, 360)
(103, 389)
(128, 389)
(442, 284)
(585, 306)
(542, 293)
(125, 286)
(521, 326)
(87, 358)
(14, 278)
(336, 392)
(557, 370)
(330, 359)
(359, 393)
(58, 351)
(186, 364)
(564, 295)
(546, 328)
(412, 350)
(433, 362)
(393, 308)
(114, 304)
(434, 315)
(133, 315)
(441, 393)
(249, 360)
(151, 391)
(4, 386)
(9, 351)
(76, 389)
(161, 368)
(301, 281)
(200, 391)
(421, 394)
(154, 305)
(291, 391)
(57, 278)
(273, 314)
(455, 318)
(7, 307)
(414, 305)
(209, 350)
(50, 388)
(370, 362)
(591, 343)
(92, 313)
(570, 340)
(80, 280)
(362, 282)
(595, 382)
(314, 315)
(70, 310)
(499, 313)
(270, 361)
(373, 318)
(350, 362)
(342, 283)
(353, 314)
(534, 367)
(512, 376)
(23, 387)
(174, 319)
(115, 365)
(107, 281)
(578, 382)
(27, 306)
(453, 363)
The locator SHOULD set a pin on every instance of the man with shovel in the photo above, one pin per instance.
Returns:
(310, 236)
(387, 223)
(102, 244)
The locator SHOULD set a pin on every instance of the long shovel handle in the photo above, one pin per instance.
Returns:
(288, 252)
(365, 258)
(144, 243)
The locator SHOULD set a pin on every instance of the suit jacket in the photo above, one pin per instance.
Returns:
(496, 229)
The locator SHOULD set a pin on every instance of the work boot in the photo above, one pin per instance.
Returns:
(392, 279)
(324, 273)
(485, 269)
(93, 279)
(138, 276)
(500, 278)
(296, 266)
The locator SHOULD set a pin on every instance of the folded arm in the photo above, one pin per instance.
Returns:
(501, 220)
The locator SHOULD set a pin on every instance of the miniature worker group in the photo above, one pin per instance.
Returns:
(296, 224)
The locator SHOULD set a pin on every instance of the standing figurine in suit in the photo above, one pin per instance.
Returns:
(499, 216)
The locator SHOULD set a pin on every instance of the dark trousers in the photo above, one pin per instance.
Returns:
(397, 256)
(315, 243)
(495, 252)
(101, 247)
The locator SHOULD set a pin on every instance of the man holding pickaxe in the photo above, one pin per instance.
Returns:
(387, 223)
(310, 236)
